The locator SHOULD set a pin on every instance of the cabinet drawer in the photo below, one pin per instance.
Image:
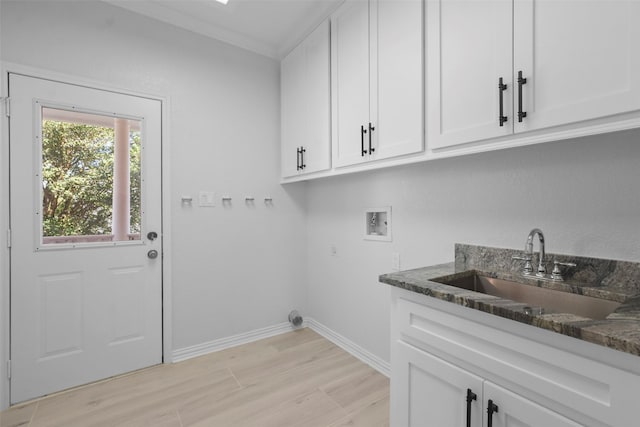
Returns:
(566, 382)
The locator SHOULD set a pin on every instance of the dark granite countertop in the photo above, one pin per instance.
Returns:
(606, 279)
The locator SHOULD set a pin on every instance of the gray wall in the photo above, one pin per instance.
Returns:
(234, 270)
(583, 193)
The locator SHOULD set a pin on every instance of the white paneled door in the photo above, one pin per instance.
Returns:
(86, 242)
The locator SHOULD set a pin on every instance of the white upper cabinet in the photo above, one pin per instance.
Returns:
(399, 86)
(306, 109)
(561, 62)
(469, 50)
(498, 74)
(581, 60)
(377, 57)
(292, 107)
(350, 82)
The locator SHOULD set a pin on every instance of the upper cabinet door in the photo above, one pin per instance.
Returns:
(377, 63)
(292, 90)
(350, 81)
(305, 105)
(581, 59)
(469, 48)
(397, 78)
(317, 156)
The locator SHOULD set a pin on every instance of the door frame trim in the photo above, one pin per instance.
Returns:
(5, 279)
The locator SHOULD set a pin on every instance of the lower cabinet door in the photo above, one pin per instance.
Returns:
(516, 411)
(428, 391)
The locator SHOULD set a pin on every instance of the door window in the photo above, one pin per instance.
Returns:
(90, 178)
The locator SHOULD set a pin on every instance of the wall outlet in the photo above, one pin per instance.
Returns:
(395, 261)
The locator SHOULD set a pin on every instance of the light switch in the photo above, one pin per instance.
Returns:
(207, 199)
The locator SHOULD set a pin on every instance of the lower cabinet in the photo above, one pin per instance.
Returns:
(450, 364)
(428, 391)
(512, 410)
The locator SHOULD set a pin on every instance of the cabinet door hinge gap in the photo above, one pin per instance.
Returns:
(7, 106)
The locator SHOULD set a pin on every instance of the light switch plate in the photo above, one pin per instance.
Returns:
(207, 199)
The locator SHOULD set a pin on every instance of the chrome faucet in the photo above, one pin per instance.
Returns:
(527, 270)
(528, 254)
(528, 248)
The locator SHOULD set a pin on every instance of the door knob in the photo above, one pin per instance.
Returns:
(152, 235)
(153, 254)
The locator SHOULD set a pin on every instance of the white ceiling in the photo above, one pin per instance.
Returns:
(268, 27)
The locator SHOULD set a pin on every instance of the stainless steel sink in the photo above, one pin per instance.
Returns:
(538, 300)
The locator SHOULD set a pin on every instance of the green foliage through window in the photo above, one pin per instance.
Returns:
(77, 179)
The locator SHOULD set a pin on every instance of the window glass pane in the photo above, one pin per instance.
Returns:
(91, 180)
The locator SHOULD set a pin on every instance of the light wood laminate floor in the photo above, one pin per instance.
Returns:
(296, 379)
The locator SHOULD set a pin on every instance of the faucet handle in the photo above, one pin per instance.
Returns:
(556, 274)
(528, 268)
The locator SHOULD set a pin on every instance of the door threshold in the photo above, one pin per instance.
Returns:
(83, 386)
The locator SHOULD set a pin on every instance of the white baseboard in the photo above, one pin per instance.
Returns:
(346, 344)
(228, 342)
(350, 347)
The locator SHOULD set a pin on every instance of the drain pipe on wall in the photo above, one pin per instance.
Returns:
(295, 319)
